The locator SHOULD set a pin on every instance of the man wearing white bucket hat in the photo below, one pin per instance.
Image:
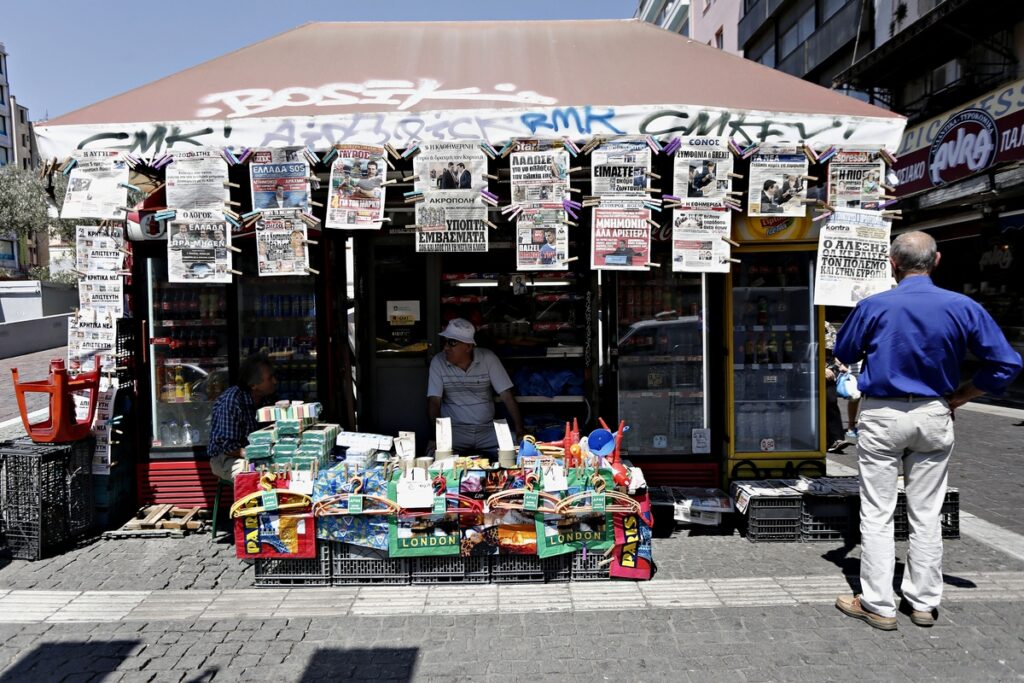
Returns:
(462, 379)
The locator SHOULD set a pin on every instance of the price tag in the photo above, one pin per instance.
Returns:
(355, 504)
(554, 479)
(269, 501)
(531, 501)
(597, 501)
(440, 505)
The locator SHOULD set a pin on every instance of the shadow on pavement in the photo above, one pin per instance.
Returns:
(55, 661)
(360, 664)
(850, 566)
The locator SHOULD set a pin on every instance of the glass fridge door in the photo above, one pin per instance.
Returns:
(189, 351)
(775, 354)
(662, 371)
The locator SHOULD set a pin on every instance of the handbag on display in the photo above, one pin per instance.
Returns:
(337, 519)
(426, 529)
(583, 517)
(271, 521)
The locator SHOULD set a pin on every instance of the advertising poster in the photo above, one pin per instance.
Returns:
(102, 293)
(539, 176)
(697, 244)
(96, 186)
(776, 182)
(855, 180)
(621, 238)
(701, 168)
(197, 180)
(853, 257)
(620, 167)
(542, 241)
(450, 222)
(91, 333)
(356, 198)
(197, 248)
(456, 165)
(281, 244)
(279, 179)
(98, 249)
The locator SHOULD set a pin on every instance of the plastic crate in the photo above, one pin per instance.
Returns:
(46, 495)
(589, 568)
(950, 519)
(453, 569)
(763, 508)
(351, 564)
(830, 518)
(773, 530)
(517, 569)
(557, 569)
(124, 350)
(307, 572)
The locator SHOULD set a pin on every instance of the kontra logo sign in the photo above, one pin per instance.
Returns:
(965, 144)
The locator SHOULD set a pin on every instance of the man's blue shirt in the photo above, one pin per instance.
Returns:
(914, 339)
(232, 420)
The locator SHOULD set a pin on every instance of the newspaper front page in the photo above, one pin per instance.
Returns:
(621, 237)
(96, 186)
(197, 248)
(449, 166)
(620, 168)
(777, 185)
(281, 244)
(855, 180)
(853, 257)
(197, 180)
(357, 188)
(450, 222)
(542, 238)
(279, 179)
(91, 333)
(697, 244)
(98, 249)
(103, 293)
(539, 176)
(701, 169)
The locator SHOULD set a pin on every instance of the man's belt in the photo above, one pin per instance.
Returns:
(909, 398)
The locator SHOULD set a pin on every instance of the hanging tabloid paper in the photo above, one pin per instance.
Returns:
(91, 333)
(103, 293)
(448, 222)
(357, 192)
(457, 165)
(620, 167)
(697, 244)
(542, 238)
(854, 180)
(197, 247)
(98, 248)
(776, 183)
(95, 187)
(702, 167)
(539, 176)
(281, 244)
(279, 179)
(853, 257)
(197, 180)
(622, 236)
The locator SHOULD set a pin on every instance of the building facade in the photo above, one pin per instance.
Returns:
(6, 140)
(716, 22)
(672, 15)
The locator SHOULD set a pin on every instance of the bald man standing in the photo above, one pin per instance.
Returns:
(912, 340)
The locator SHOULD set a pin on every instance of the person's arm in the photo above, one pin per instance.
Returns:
(513, 412)
(1000, 363)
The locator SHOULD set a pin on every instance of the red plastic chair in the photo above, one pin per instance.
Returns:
(61, 425)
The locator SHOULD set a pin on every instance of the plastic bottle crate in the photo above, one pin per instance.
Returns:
(773, 519)
(46, 495)
(352, 564)
(589, 568)
(830, 518)
(305, 572)
(557, 569)
(950, 516)
(773, 530)
(517, 569)
(452, 569)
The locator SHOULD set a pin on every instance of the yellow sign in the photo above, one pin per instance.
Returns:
(774, 229)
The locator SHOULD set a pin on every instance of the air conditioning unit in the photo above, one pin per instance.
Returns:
(946, 75)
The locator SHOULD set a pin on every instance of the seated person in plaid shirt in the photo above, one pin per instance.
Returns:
(234, 416)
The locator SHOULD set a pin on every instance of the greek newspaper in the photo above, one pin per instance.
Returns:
(853, 257)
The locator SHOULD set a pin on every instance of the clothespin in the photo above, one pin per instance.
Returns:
(734, 148)
(129, 186)
(488, 150)
(411, 178)
(245, 155)
(391, 150)
(232, 221)
(652, 264)
(231, 213)
(895, 215)
(230, 184)
(890, 159)
(827, 154)
(509, 147)
(489, 197)
(654, 175)
(312, 203)
(737, 176)
(235, 272)
(733, 260)
(571, 259)
(309, 218)
(751, 151)
(652, 223)
(393, 181)
(487, 222)
(166, 214)
(232, 203)
(808, 177)
(570, 147)
(411, 150)
(310, 242)
(652, 143)
(330, 155)
(311, 270)
(69, 165)
(809, 153)
(229, 156)
(234, 249)
(732, 242)
(490, 177)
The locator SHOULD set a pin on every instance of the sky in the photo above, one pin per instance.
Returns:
(68, 54)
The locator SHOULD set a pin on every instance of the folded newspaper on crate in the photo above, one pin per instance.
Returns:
(743, 491)
(694, 505)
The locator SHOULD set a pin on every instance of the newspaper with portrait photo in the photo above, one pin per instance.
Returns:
(701, 168)
(539, 176)
(356, 199)
(279, 179)
(449, 166)
(198, 248)
(855, 179)
(620, 167)
(542, 238)
(621, 238)
(853, 258)
(777, 182)
(697, 239)
(197, 180)
(96, 186)
(281, 244)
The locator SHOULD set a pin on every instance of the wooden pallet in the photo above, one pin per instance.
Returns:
(157, 521)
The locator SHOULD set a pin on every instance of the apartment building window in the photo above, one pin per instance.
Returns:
(768, 58)
(3, 156)
(797, 34)
(830, 7)
(720, 38)
(707, 4)
(21, 116)
(662, 14)
(8, 254)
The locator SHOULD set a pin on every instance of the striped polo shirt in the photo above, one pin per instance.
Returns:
(466, 395)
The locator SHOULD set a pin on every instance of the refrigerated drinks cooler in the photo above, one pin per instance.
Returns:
(777, 360)
(662, 363)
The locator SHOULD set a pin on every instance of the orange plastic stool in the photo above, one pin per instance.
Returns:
(61, 425)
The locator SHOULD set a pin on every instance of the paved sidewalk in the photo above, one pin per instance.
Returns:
(30, 367)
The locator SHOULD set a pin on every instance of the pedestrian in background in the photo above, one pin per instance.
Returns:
(912, 340)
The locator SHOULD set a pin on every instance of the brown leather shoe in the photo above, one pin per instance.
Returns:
(850, 606)
(924, 619)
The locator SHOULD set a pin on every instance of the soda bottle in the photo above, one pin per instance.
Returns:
(186, 433)
(748, 350)
(179, 385)
(773, 349)
(165, 305)
(762, 349)
(787, 348)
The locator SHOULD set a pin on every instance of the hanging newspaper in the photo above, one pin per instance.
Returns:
(620, 167)
(98, 249)
(450, 222)
(697, 239)
(101, 456)
(102, 293)
(198, 247)
(542, 238)
(777, 185)
(279, 179)
(197, 180)
(281, 244)
(457, 165)
(702, 167)
(853, 257)
(91, 333)
(97, 187)
(357, 188)
(855, 179)
(539, 176)
(621, 237)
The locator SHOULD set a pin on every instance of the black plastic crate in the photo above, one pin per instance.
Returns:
(557, 569)
(774, 507)
(46, 495)
(773, 530)
(830, 518)
(590, 568)
(351, 564)
(306, 572)
(517, 569)
(453, 569)
(950, 516)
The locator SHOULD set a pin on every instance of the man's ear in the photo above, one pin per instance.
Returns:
(938, 257)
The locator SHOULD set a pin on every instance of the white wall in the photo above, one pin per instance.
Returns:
(705, 22)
